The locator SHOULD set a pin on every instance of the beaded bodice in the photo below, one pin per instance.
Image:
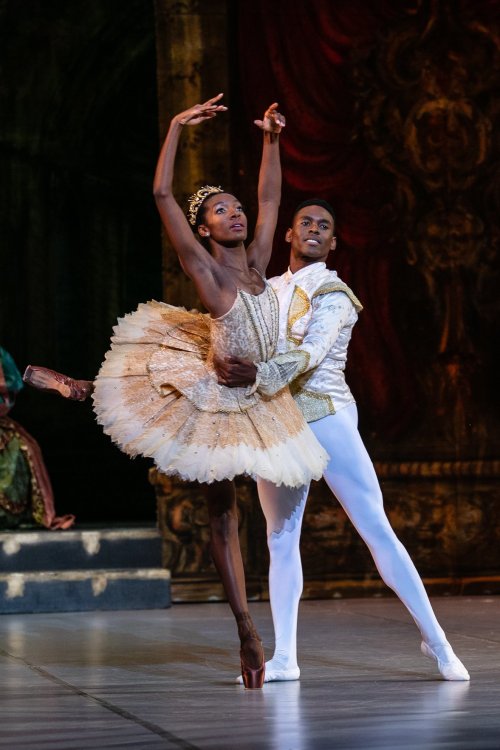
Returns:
(249, 329)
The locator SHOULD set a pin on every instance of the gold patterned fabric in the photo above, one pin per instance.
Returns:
(276, 374)
(299, 306)
(157, 395)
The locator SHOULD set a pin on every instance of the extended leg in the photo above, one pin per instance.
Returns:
(226, 554)
(351, 477)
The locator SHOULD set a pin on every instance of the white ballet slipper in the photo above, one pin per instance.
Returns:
(275, 672)
(449, 665)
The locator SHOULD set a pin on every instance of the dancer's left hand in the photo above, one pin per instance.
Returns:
(234, 372)
(273, 121)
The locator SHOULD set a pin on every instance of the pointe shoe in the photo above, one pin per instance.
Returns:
(276, 674)
(252, 677)
(55, 382)
(449, 665)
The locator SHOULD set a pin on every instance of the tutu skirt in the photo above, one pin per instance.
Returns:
(157, 395)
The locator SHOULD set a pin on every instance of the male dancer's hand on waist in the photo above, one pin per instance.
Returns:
(234, 372)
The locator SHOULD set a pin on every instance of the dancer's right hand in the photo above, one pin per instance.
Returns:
(200, 112)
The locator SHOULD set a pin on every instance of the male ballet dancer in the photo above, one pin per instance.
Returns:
(317, 314)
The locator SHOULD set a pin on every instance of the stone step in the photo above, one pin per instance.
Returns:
(84, 590)
(85, 548)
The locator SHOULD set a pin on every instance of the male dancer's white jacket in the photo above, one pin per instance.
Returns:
(317, 315)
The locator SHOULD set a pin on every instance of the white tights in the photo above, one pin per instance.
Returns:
(351, 477)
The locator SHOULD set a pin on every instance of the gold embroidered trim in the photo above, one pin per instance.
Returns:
(272, 376)
(312, 405)
(339, 286)
(306, 358)
(299, 306)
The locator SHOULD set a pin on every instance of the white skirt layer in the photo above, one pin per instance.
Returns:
(156, 395)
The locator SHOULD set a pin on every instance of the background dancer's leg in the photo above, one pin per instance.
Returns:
(44, 379)
(226, 554)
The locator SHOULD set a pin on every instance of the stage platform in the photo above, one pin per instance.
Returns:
(164, 679)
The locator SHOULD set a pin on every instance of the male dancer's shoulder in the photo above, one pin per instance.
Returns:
(330, 283)
(314, 284)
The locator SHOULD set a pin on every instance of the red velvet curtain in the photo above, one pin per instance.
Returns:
(300, 55)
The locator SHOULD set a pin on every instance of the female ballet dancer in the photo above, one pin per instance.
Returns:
(157, 392)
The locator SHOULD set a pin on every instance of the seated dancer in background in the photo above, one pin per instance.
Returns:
(157, 392)
(26, 496)
(317, 314)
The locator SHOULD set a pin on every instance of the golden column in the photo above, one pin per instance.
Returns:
(192, 66)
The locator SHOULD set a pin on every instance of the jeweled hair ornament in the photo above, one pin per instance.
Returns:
(195, 200)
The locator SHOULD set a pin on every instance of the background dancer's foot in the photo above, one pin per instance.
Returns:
(55, 382)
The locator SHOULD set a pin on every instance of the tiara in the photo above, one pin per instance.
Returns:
(195, 201)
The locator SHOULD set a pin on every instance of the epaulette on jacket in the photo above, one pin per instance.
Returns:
(338, 286)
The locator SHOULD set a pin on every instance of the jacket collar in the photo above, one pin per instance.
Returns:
(304, 273)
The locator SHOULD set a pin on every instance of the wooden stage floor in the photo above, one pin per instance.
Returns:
(164, 679)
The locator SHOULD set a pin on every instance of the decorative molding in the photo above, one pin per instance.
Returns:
(437, 469)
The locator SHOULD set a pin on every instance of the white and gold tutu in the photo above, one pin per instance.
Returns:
(157, 395)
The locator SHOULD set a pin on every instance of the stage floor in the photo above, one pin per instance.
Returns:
(164, 679)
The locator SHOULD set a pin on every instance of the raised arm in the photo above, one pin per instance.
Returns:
(269, 189)
(192, 254)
